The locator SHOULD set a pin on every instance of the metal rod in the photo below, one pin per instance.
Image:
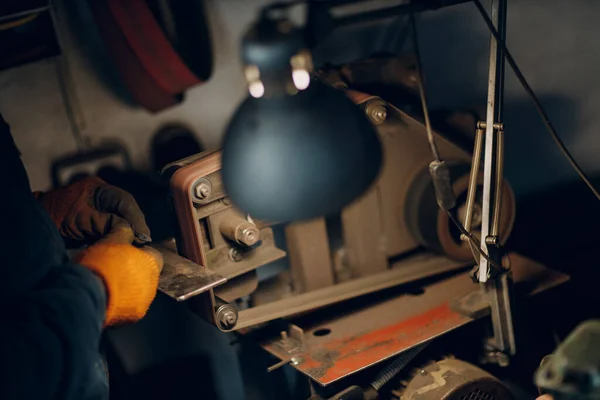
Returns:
(499, 108)
(500, 70)
(489, 150)
(496, 288)
(473, 178)
(536, 102)
(280, 364)
(495, 231)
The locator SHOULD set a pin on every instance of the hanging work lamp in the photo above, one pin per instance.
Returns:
(295, 149)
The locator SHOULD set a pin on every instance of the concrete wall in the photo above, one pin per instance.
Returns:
(553, 41)
(30, 98)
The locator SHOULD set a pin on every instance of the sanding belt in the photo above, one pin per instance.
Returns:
(150, 67)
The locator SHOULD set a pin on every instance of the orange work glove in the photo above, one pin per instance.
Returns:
(90, 209)
(130, 276)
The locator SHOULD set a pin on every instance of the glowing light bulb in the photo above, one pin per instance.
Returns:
(301, 78)
(256, 89)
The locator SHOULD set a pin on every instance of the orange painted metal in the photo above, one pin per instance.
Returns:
(362, 336)
(356, 353)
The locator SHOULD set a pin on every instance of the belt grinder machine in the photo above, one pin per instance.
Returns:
(393, 235)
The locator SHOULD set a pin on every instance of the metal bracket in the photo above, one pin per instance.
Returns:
(292, 343)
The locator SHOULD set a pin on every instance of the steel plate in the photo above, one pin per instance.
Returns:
(340, 346)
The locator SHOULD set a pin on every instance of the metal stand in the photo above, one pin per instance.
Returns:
(496, 284)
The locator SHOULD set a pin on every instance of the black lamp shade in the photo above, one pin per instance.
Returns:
(290, 158)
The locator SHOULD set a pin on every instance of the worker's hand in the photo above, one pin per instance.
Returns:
(91, 209)
(544, 397)
(130, 276)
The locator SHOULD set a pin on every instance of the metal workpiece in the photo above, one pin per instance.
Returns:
(376, 111)
(201, 190)
(240, 231)
(182, 279)
(226, 315)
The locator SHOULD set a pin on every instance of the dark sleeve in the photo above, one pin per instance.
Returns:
(49, 339)
(52, 310)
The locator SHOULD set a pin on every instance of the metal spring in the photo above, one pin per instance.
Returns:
(386, 374)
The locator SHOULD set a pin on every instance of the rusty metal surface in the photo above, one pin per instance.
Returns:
(181, 278)
(366, 336)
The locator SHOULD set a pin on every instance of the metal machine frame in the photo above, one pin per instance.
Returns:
(335, 346)
(374, 229)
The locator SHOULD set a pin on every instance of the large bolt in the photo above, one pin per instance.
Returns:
(240, 231)
(249, 235)
(235, 255)
(376, 111)
(227, 316)
(203, 189)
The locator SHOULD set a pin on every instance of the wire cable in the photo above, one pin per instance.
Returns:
(476, 244)
(544, 116)
(430, 137)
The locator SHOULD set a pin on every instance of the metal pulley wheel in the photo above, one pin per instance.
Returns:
(432, 227)
(452, 379)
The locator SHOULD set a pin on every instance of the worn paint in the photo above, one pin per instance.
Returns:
(355, 353)
(327, 360)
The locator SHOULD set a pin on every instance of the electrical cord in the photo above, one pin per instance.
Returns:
(542, 113)
(475, 243)
(430, 137)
